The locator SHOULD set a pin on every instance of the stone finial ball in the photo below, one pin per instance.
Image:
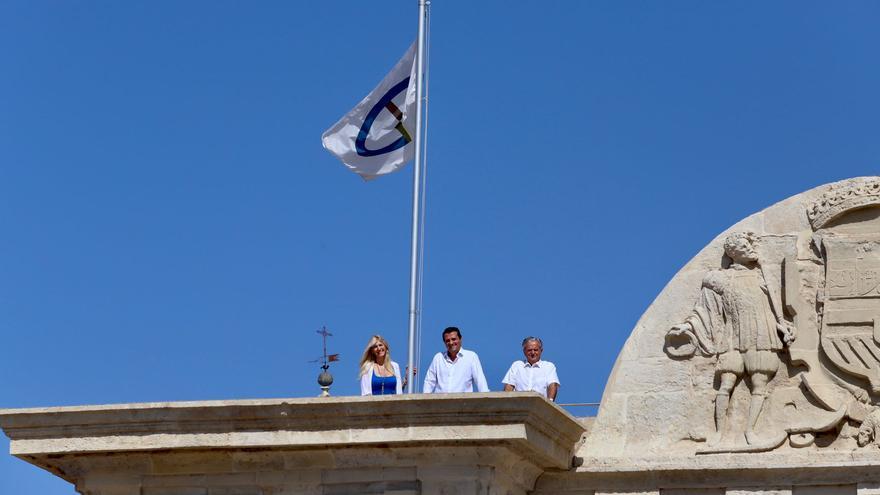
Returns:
(325, 379)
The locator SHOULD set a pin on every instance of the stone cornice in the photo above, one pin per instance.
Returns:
(526, 421)
(788, 468)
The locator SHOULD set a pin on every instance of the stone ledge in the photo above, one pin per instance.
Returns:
(524, 422)
(721, 462)
(729, 471)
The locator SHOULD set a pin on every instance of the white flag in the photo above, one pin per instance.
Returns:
(375, 138)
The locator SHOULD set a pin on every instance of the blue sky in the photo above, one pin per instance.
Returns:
(173, 230)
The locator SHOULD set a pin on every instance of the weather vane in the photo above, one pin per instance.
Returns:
(325, 379)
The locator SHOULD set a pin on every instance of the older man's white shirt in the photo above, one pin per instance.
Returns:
(524, 376)
(446, 376)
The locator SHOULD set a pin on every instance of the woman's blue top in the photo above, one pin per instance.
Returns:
(384, 385)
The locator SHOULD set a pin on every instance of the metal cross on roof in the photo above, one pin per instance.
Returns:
(327, 358)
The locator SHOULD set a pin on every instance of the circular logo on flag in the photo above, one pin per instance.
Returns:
(384, 103)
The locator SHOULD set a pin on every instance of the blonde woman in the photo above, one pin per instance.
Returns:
(379, 374)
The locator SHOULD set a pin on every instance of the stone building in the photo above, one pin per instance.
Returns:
(755, 371)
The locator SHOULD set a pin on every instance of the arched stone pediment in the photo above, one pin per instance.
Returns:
(765, 341)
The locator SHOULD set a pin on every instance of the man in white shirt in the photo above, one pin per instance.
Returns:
(456, 370)
(532, 374)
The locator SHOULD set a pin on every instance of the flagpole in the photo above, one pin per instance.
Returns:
(416, 224)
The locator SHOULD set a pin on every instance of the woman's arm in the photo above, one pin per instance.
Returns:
(396, 367)
(366, 383)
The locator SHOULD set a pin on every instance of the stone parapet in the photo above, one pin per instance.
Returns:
(404, 444)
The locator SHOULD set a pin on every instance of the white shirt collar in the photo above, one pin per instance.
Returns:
(461, 353)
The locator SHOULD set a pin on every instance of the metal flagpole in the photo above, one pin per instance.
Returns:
(416, 224)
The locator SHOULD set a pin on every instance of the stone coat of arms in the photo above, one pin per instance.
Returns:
(796, 319)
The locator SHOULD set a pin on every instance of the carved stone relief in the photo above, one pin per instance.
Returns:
(794, 319)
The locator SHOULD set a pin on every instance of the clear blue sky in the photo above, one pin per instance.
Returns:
(171, 228)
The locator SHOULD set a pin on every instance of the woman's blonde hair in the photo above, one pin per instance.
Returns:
(367, 360)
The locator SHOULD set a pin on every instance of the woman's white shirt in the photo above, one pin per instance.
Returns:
(367, 380)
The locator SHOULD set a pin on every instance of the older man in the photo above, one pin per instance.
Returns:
(533, 373)
(456, 370)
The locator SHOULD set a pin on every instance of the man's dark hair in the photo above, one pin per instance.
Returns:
(450, 330)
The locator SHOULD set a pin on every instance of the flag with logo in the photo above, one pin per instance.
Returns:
(375, 138)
